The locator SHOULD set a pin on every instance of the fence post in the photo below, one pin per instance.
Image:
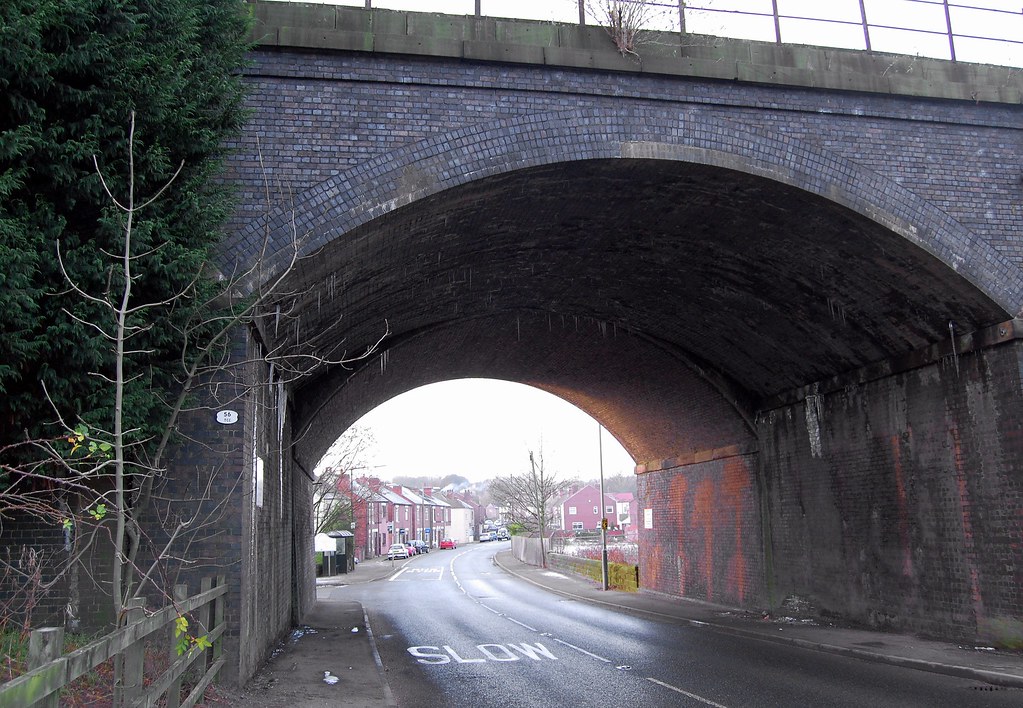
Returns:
(205, 614)
(46, 645)
(777, 22)
(951, 35)
(866, 26)
(174, 691)
(128, 664)
(682, 16)
(218, 619)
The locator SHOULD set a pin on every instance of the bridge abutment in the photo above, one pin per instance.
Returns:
(892, 501)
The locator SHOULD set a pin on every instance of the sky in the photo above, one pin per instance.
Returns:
(481, 428)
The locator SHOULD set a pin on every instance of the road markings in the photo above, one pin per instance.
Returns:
(444, 654)
(521, 624)
(701, 699)
(445, 659)
(416, 571)
(581, 650)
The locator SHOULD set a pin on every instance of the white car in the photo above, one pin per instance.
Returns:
(397, 550)
(486, 536)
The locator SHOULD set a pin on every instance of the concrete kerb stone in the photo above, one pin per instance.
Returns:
(685, 611)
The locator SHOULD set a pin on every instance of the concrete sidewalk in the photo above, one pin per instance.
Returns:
(977, 663)
(330, 660)
(337, 639)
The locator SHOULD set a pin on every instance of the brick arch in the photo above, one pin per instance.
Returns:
(566, 359)
(381, 185)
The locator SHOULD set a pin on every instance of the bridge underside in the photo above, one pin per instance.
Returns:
(646, 292)
(816, 404)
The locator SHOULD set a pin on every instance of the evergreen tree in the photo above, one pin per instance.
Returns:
(71, 73)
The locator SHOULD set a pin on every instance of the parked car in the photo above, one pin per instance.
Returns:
(421, 546)
(486, 536)
(412, 550)
(397, 550)
(447, 543)
(503, 535)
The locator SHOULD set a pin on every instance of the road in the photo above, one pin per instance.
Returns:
(453, 629)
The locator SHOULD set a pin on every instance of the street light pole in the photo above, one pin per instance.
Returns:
(603, 512)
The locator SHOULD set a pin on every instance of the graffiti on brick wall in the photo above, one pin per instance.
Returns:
(705, 538)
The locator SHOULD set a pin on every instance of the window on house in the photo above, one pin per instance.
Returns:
(577, 525)
(609, 510)
(571, 510)
(596, 510)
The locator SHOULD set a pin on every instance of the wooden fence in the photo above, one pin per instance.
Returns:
(49, 672)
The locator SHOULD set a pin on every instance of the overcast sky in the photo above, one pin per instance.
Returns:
(484, 428)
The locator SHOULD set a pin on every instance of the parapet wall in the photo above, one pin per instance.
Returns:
(489, 39)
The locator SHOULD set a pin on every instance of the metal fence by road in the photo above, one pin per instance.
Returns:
(985, 31)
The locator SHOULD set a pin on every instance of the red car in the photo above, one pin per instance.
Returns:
(447, 543)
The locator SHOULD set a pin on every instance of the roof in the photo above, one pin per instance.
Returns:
(393, 498)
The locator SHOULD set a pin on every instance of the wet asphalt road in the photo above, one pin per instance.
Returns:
(455, 630)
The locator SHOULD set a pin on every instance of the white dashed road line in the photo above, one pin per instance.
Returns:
(676, 689)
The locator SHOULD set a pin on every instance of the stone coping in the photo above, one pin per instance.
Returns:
(562, 45)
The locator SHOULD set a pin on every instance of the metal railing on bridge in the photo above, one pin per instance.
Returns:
(984, 31)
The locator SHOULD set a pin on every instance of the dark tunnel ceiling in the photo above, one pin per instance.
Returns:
(769, 286)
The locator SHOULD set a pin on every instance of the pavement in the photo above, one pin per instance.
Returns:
(337, 639)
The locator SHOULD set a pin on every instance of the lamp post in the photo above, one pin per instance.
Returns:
(603, 512)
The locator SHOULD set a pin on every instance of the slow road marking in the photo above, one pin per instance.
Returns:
(486, 652)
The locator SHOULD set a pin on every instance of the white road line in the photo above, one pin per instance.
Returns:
(581, 650)
(520, 624)
(685, 693)
(395, 576)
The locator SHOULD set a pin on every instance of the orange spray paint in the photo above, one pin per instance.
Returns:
(966, 513)
(704, 505)
(736, 487)
(678, 493)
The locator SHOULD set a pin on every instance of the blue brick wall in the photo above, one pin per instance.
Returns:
(332, 130)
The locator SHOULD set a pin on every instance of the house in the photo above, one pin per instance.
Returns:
(581, 511)
(626, 513)
(479, 513)
(400, 517)
(438, 515)
(419, 512)
(387, 514)
(461, 523)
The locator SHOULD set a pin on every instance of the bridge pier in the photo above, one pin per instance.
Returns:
(249, 506)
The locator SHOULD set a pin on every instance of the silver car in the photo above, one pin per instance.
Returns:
(397, 550)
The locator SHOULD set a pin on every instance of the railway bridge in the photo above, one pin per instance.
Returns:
(786, 278)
